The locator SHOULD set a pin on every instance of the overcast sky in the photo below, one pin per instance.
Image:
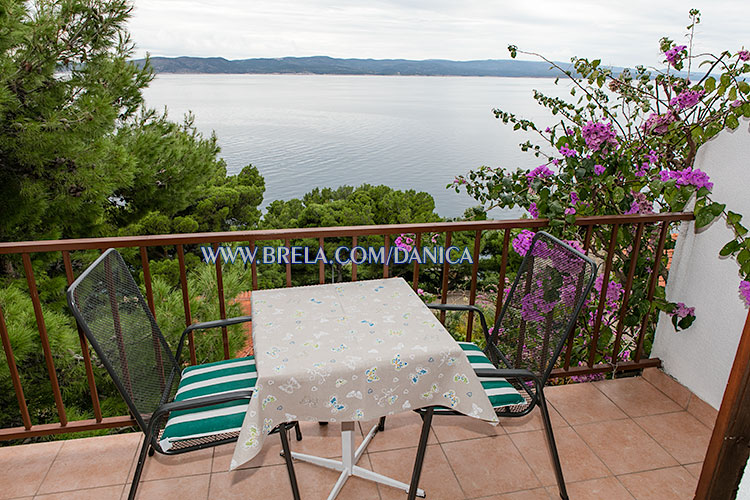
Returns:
(620, 32)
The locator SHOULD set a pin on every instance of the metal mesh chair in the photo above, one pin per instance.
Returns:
(177, 410)
(534, 324)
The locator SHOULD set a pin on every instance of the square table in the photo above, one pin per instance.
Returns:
(351, 352)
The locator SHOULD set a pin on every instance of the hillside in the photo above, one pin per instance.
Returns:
(328, 65)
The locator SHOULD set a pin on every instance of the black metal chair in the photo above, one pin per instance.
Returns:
(534, 324)
(177, 410)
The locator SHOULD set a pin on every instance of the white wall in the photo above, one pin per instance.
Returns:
(701, 357)
(744, 491)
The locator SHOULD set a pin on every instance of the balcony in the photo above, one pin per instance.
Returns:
(637, 433)
(618, 439)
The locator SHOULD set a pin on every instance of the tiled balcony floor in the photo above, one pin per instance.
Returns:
(618, 439)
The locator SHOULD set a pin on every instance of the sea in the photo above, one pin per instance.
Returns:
(407, 132)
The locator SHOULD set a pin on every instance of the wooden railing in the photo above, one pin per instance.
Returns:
(252, 238)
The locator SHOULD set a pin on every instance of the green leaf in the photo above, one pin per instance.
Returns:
(618, 194)
(717, 208)
(732, 94)
(733, 217)
(704, 218)
(729, 248)
(743, 257)
(710, 84)
(732, 121)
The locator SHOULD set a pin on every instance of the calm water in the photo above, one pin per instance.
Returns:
(305, 131)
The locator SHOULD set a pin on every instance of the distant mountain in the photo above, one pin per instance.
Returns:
(322, 65)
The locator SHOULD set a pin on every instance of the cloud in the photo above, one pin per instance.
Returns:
(621, 33)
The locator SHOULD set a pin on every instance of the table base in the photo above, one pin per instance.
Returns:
(348, 464)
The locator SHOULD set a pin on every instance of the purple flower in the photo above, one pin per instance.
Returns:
(640, 205)
(420, 291)
(567, 152)
(403, 241)
(682, 311)
(686, 99)
(569, 131)
(570, 211)
(522, 242)
(548, 130)
(658, 124)
(652, 157)
(540, 172)
(533, 210)
(574, 198)
(745, 291)
(555, 161)
(674, 55)
(736, 103)
(599, 135)
(688, 177)
(744, 55)
(599, 169)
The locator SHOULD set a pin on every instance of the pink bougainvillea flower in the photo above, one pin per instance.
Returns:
(745, 291)
(533, 210)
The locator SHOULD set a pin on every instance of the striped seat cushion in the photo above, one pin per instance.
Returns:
(209, 380)
(499, 390)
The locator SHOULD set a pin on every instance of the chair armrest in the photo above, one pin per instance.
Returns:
(206, 325)
(461, 307)
(506, 373)
(191, 404)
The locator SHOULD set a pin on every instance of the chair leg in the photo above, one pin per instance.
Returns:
(421, 450)
(145, 447)
(552, 446)
(297, 431)
(381, 424)
(288, 459)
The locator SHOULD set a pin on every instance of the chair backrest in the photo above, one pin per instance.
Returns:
(109, 307)
(543, 304)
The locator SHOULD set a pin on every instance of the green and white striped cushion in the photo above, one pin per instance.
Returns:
(210, 379)
(499, 390)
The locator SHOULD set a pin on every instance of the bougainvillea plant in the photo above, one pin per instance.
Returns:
(627, 145)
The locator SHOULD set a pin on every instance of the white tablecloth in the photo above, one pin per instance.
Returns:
(348, 352)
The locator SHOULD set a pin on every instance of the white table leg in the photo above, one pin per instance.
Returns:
(348, 464)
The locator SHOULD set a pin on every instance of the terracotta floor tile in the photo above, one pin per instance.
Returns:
(578, 461)
(177, 488)
(260, 483)
(489, 466)
(536, 494)
(437, 478)
(582, 403)
(608, 488)
(637, 397)
(321, 440)
(458, 427)
(104, 493)
(532, 421)
(624, 447)
(702, 411)
(694, 469)
(401, 431)
(272, 483)
(24, 467)
(669, 386)
(92, 462)
(269, 455)
(674, 483)
(166, 466)
(681, 434)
